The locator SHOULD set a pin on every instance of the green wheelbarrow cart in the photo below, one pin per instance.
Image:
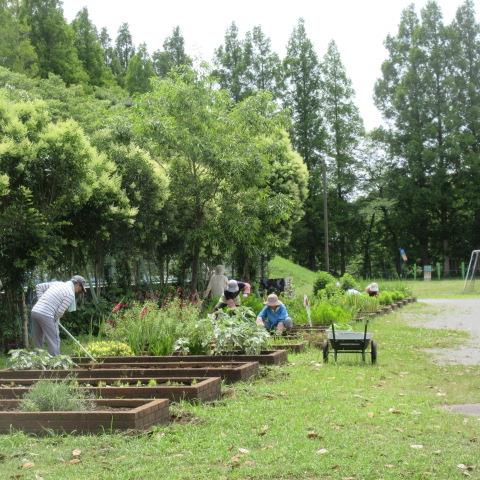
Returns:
(345, 341)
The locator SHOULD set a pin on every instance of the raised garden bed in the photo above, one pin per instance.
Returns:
(180, 388)
(229, 371)
(110, 415)
(267, 357)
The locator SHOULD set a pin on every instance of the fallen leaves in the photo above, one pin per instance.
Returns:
(322, 451)
(416, 446)
(395, 411)
(465, 469)
(311, 434)
(76, 453)
(26, 465)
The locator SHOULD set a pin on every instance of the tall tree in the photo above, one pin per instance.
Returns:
(401, 95)
(139, 71)
(16, 50)
(124, 51)
(264, 67)
(231, 64)
(302, 71)
(173, 54)
(53, 40)
(344, 129)
(90, 50)
(464, 55)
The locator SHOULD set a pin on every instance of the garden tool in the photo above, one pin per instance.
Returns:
(77, 342)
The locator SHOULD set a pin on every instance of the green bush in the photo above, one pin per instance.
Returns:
(324, 313)
(108, 349)
(253, 302)
(197, 338)
(385, 298)
(56, 396)
(323, 279)
(347, 282)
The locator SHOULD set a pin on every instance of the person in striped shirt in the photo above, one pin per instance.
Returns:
(53, 300)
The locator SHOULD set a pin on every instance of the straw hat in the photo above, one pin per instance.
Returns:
(272, 301)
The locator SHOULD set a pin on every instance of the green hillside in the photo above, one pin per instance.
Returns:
(303, 278)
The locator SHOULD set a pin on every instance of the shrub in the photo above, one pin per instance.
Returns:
(147, 328)
(253, 302)
(196, 338)
(108, 349)
(38, 359)
(324, 313)
(385, 298)
(56, 396)
(323, 279)
(347, 282)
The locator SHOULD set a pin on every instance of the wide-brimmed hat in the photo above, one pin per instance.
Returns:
(232, 286)
(373, 287)
(78, 279)
(272, 301)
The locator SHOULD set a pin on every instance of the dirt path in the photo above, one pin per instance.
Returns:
(457, 314)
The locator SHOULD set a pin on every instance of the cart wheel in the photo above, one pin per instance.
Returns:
(373, 351)
(325, 351)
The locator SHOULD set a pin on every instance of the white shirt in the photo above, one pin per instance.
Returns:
(54, 298)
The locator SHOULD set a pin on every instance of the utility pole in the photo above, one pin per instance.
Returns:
(325, 216)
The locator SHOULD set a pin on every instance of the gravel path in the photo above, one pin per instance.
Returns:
(457, 314)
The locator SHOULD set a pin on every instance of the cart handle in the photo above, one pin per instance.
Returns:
(365, 334)
(333, 331)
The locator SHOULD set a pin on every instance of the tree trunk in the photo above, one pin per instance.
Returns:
(24, 311)
(446, 259)
(195, 267)
(367, 264)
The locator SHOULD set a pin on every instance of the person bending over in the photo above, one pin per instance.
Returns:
(53, 300)
(231, 293)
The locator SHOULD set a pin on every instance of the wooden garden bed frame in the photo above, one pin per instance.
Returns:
(203, 390)
(142, 414)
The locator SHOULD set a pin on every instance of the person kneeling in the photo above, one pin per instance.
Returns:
(274, 315)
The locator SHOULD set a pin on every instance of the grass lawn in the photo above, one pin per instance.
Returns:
(364, 420)
(303, 281)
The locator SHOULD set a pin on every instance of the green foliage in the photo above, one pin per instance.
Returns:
(197, 338)
(56, 396)
(236, 330)
(38, 359)
(173, 54)
(16, 50)
(107, 349)
(385, 298)
(147, 328)
(322, 280)
(53, 40)
(139, 71)
(253, 302)
(89, 49)
(324, 313)
(348, 282)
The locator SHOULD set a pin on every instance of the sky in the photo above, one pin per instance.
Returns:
(359, 27)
